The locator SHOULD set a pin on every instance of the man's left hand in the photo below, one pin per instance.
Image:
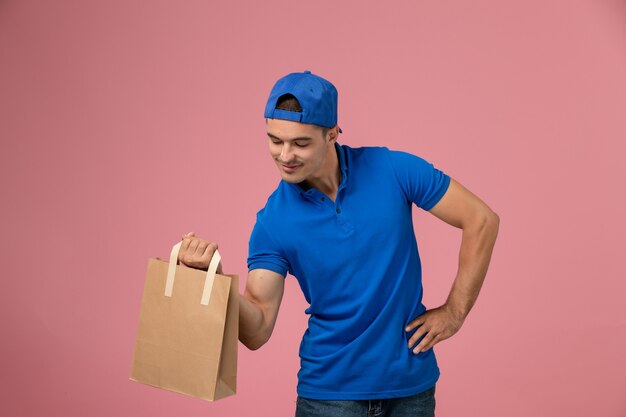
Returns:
(435, 325)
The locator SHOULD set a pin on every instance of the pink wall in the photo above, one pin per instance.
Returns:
(125, 124)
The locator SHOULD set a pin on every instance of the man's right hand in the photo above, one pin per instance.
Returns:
(197, 253)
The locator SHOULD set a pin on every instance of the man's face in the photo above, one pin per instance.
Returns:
(298, 149)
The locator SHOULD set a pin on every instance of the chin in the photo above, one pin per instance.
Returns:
(291, 179)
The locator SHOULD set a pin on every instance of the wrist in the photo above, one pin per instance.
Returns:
(457, 311)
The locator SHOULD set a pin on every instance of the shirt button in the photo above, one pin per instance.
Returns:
(338, 211)
(323, 199)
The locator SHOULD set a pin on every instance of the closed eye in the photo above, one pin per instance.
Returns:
(300, 142)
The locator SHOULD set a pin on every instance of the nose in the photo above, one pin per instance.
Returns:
(286, 153)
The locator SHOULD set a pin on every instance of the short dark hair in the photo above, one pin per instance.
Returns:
(289, 102)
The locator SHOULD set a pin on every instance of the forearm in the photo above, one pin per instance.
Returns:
(258, 307)
(251, 324)
(474, 256)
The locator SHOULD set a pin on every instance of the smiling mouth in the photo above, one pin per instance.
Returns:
(289, 167)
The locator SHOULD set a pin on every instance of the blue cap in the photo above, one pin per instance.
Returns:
(317, 97)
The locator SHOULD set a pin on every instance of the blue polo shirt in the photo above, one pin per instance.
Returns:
(357, 263)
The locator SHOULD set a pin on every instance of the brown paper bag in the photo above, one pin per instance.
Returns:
(188, 330)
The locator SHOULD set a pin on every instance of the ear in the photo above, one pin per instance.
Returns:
(332, 134)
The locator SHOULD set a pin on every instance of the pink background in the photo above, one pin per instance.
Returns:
(125, 124)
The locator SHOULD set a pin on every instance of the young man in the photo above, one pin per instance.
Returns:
(340, 222)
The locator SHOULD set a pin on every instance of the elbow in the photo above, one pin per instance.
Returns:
(496, 219)
(484, 222)
(493, 218)
(255, 343)
(492, 222)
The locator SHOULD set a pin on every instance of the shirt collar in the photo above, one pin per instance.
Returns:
(343, 166)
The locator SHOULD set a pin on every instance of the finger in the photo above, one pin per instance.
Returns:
(190, 234)
(419, 333)
(206, 251)
(425, 342)
(416, 322)
(187, 250)
(201, 248)
(186, 242)
(193, 245)
(209, 250)
(182, 253)
(431, 343)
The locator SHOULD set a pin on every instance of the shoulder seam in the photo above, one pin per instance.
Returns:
(278, 247)
(395, 174)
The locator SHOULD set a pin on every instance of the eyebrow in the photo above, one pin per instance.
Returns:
(294, 139)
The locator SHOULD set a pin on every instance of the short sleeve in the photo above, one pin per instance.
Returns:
(263, 253)
(422, 183)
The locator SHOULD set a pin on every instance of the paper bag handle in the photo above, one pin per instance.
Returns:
(208, 282)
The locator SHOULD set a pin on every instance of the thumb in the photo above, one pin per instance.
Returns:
(190, 234)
